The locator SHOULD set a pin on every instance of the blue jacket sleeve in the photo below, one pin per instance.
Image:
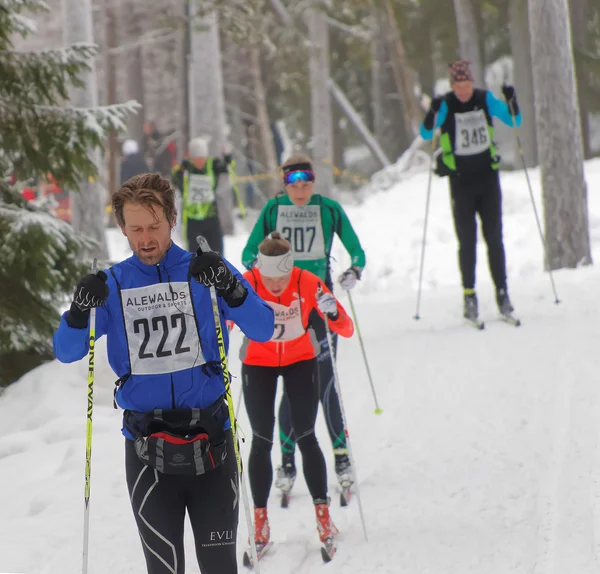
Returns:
(500, 110)
(72, 344)
(254, 317)
(441, 118)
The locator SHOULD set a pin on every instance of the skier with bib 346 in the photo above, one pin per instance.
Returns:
(291, 353)
(196, 179)
(468, 156)
(155, 309)
(308, 221)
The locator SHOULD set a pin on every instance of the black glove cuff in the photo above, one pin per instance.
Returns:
(236, 295)
(429, 119)
(514, 105)
(333, 316)
(76, 318)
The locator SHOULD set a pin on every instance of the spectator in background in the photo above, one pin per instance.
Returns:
(196, 179)
(159, 149)
(133, 162)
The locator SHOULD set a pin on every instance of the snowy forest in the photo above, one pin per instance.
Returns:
(346, 81)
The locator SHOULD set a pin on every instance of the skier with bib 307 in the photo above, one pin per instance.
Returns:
(308, 221)
(196, 179)
(294, 294)
(155, 309)
(468, 156)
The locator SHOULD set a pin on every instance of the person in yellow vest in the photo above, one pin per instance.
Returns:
(196, 179)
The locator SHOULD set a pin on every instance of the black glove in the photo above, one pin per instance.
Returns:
(511, 99)
(91, 291)
(434, 108)
(508, 92)
(210, 269)
(436, 104)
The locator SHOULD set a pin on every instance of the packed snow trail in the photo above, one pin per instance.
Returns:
(485, 458)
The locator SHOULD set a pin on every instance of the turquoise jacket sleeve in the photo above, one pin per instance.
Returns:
(499, 109)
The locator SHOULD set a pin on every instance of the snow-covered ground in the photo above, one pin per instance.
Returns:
(485, 459)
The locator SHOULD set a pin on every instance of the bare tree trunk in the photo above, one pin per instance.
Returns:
(580, 15)
(340, 98)
(262, 117)
(88, 205)
(135, 91)
(322, 124)
(209, 103)
(134, 82)
(388, 117)
(405, 77)
(184, 55)
(358, 123)
(523, 79)
(110, 25)
(468, 38)
(559, 135)
(232, 76)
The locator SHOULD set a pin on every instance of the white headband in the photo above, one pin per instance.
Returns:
(275, 265)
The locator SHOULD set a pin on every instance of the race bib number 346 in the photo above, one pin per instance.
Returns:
(161, 329)
(472, 133)
(302, 227)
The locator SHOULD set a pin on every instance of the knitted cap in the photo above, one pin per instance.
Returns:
(460, 71)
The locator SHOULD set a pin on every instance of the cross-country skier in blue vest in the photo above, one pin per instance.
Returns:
(155, 309)
(465, 116)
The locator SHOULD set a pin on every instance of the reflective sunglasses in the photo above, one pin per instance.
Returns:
(296, 176)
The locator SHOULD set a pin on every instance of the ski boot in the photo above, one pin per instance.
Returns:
(262, 537)
(285, 477)
(345, 476)
(506, 308)
(326, 529)
(504, 303)
(262, 532)
(471, 308)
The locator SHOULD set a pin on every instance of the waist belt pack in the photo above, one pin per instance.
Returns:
(180, 441)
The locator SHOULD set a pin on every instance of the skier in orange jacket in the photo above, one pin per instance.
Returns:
(292, 354)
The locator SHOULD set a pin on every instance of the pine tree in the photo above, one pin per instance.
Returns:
(41, 257)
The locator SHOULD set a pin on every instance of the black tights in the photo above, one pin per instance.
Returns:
(160, 501)
(301, 388)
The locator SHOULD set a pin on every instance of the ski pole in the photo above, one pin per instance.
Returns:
(203, 244)
(338, 388)
(535, 211)
(424, 241)
(378, 411)
(88, 434)
(239, 399)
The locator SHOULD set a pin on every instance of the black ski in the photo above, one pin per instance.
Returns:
(261, 550)
(328, 550)
(511, 320)
(480, 325)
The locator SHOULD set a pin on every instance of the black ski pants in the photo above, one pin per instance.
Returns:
(472, 195)
(210, 229)
(327, 395)
(160, 501)
(260, 387)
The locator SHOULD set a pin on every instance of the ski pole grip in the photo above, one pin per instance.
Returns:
(203, 245)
